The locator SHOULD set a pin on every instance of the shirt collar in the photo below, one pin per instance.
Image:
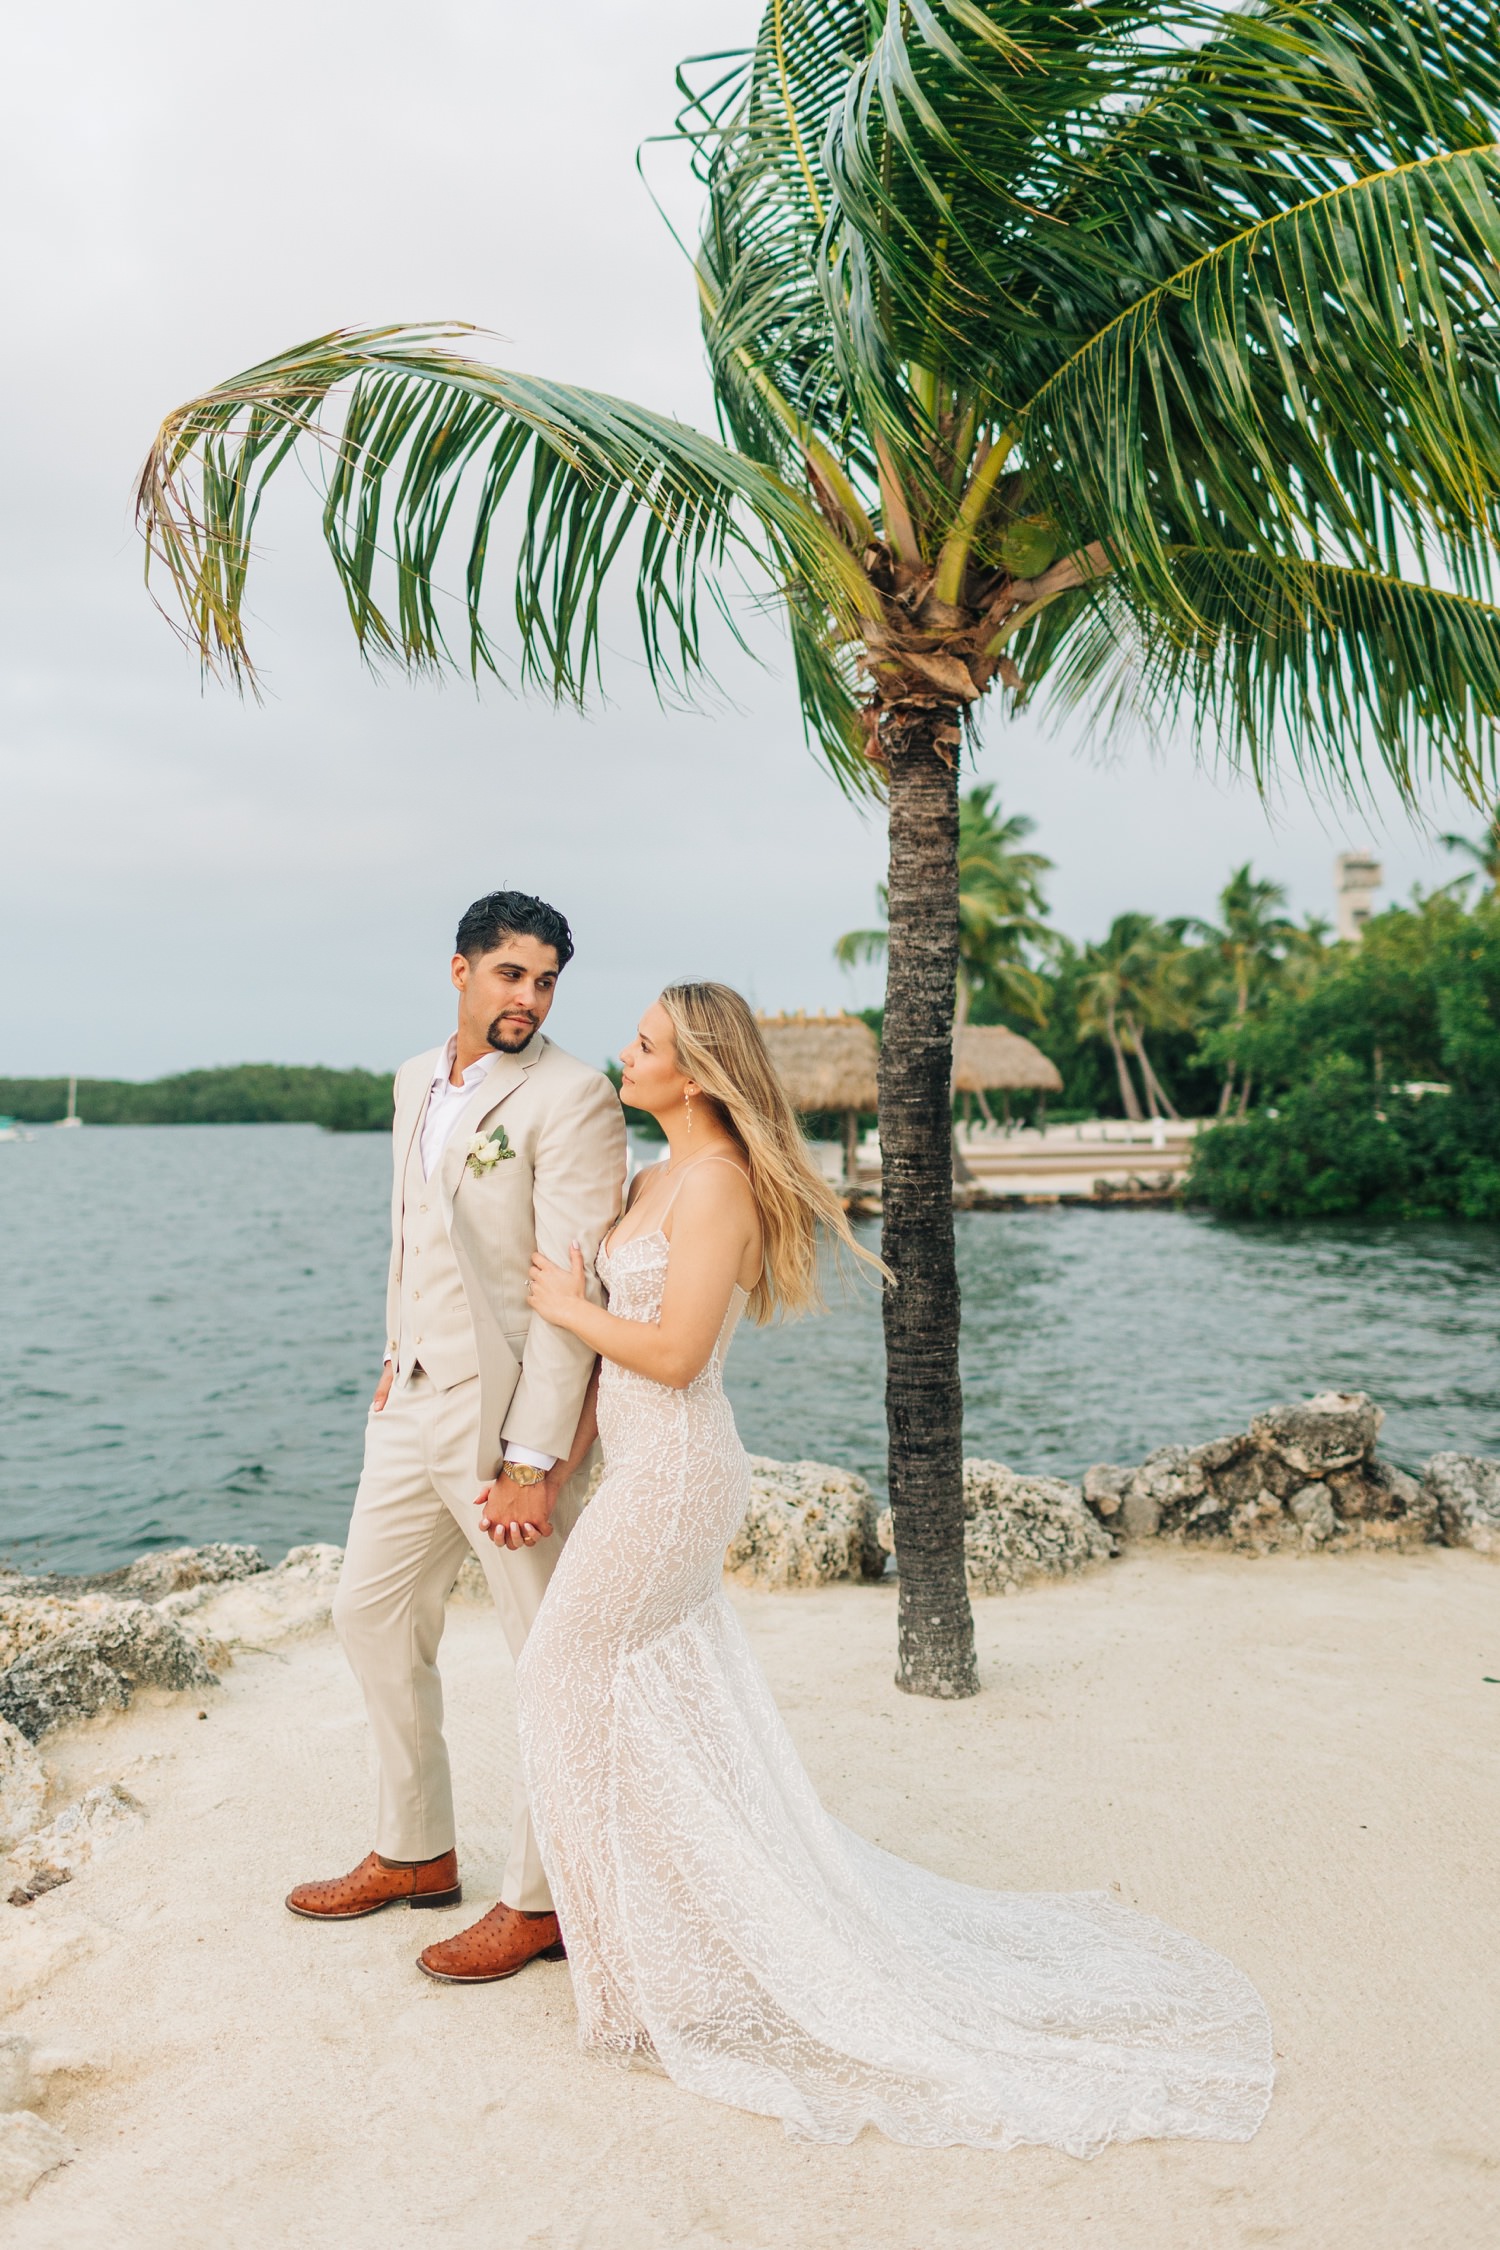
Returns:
(442, 1076)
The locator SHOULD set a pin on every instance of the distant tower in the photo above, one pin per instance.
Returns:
(1357, 876)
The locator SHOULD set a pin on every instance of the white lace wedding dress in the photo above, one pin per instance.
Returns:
(722, 1926)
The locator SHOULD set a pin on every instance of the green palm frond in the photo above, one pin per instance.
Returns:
(1341, 665)
(417, 420)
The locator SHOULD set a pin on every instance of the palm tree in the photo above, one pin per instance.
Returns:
(1150, 348)
(1485, 851)
(1248, 945)
(1132, 983)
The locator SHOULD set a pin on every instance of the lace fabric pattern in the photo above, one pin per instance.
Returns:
(723, 1927)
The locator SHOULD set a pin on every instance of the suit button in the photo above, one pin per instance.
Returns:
(421, 1206)
(416, 1296)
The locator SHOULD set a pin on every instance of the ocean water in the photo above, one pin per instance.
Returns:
(190, 1327)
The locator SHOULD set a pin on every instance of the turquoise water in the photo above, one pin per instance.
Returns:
(191, 1325)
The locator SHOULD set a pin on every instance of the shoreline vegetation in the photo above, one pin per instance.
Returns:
(341, 1101)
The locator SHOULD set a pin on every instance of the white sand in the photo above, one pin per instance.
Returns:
(1294, 1759)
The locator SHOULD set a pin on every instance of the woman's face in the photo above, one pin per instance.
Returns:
(650, 1077)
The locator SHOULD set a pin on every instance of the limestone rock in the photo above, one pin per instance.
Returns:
(31, 1618)
(807, 1524)
(1464, 1492)
(1334, 1430)
(1301, 1476)
(289, 1602)
(23, 1788)
(1019, 1528)
(54, 1853)
(150, 1577)
(1105, 1487)
(29, 2149)
(97, 1667)
(34, 1946)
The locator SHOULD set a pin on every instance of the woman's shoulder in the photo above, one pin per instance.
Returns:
(716, 1183)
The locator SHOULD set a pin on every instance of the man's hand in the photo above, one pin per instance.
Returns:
(383, 1387)
(517, 1515)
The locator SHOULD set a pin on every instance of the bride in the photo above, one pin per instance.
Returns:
(718, 1922)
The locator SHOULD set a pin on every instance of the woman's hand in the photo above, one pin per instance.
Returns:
(557, 1292)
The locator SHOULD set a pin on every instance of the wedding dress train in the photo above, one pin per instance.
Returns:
(722, 1926)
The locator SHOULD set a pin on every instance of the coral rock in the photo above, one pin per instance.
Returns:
(1463, 1490)
(287, 1603)
(23, 1788)
(1332, 1431)
(150, 1577)
(29, 2148)
(97, 1667)
(1019, 1528)
(807, 1524)
(52, 1854)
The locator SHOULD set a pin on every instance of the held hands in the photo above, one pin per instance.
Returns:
(556, 1292)
(514, 1515)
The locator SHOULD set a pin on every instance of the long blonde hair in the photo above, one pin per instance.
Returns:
(719, 1044)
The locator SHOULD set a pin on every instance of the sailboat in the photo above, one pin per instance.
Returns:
(72, 1117)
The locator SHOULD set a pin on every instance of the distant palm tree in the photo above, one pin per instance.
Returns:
(1132, 346)
(1248, 944)
(1484, 851)
(1132, 983)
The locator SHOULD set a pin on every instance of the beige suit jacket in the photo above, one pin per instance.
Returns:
(564, 1182)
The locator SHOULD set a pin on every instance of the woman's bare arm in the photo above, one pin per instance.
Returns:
(715, 1234)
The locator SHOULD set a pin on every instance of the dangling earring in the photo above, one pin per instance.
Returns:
(688, 1106)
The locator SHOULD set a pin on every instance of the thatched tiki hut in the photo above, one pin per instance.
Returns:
(826, 1062)
(987, 1059)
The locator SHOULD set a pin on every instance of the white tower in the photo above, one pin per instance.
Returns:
(1357, 876)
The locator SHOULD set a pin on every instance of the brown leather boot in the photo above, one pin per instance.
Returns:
(372, 1885)
(495, 1947)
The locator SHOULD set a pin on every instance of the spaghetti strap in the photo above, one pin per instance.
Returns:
(692, 1166)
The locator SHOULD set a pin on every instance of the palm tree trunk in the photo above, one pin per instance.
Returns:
(1161, 1102)
(1128, 1094)
(923, 1400)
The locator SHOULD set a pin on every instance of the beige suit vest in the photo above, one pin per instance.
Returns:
(437, 1329)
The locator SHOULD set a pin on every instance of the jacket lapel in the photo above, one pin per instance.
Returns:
(504, 1075)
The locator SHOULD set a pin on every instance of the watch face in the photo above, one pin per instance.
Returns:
(523, 1472)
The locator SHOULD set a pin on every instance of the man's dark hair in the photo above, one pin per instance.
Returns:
(504, 914)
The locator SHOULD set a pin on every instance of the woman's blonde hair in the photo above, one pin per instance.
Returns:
(719, 1044)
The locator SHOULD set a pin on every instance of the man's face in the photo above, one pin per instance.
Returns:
(504, 996)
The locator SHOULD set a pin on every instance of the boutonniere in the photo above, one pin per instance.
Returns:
(488, 1149)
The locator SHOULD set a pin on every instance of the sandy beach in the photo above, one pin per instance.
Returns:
(1295, 1759)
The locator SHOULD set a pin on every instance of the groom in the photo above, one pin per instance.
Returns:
(504, 1145)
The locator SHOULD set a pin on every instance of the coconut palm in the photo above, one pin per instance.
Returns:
(1483, 850)
(1147, 346)
(1247, 945)
(1135, 981)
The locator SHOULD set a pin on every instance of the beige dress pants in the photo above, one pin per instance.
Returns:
(414, 1524)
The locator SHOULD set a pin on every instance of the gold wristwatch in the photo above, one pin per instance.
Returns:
(523, 1473)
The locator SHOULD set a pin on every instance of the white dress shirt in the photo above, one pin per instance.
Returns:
(444, 1103)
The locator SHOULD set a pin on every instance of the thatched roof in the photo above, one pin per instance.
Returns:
(989, 1057)
(824, 1062)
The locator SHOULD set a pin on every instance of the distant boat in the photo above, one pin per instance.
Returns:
(72, 1117)
(10, 1130)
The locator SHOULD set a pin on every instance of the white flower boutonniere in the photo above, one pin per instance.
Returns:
(487, 1150)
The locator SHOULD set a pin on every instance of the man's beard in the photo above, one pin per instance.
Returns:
(509, 1038)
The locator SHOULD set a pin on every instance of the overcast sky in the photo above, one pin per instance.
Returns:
(188, 881)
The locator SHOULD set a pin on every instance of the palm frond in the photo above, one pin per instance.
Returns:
(417, 420)
(1341, 666)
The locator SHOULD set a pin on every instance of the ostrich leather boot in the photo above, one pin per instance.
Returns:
(495, 1947)
(372, 1885)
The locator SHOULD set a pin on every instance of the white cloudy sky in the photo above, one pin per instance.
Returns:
(184, 880)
